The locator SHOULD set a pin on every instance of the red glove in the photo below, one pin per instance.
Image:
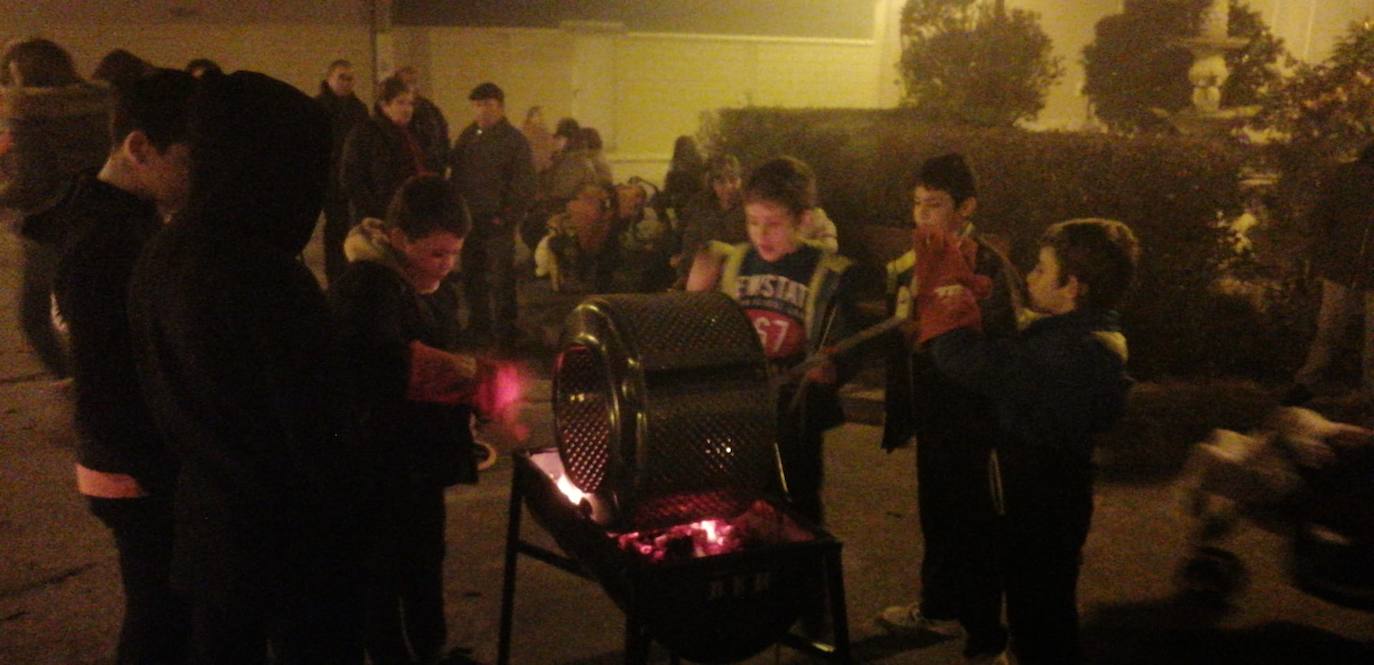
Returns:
(947, 290)
(441, 377)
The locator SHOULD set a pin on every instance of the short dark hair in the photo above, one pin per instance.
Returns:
(41, 64)
(787, 181)
(204, 66)
(487, 90)
(338, 64)
(426, 204)
(1101, 253)
(390, 88)
(567, 128)
(947, 173)
(592, 138)
(120, 68)
(157, 104)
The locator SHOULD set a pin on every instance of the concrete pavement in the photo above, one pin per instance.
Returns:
(60, 600)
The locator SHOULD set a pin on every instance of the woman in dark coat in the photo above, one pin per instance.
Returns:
(383, 152)
(395, 316)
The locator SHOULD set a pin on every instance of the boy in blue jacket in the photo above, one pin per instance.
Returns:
(1056, 386)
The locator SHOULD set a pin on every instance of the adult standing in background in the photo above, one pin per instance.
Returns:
(715, 213)
(54, 126)
(592, 139)
(383, 152)
(686, 176)
(428, 121)
(1343, 256)
(540, 140)
(240, 366)
(346, 111)
(494, 173)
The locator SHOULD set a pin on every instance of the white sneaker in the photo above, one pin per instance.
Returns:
(907, 621)
(999, 658)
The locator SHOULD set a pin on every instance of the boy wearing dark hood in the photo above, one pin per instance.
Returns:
(239, 366)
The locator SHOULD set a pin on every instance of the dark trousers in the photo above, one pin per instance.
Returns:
(337, 222)
(295, 595)
(1044, 535)
(405, 598)
(489, 278)
(799, 447)
(154, 627)
(960, 576)
(35, 308)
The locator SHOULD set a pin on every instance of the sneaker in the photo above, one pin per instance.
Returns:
(996, 658)
(907, 621)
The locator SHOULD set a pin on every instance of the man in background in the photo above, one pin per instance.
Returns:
(345, 111)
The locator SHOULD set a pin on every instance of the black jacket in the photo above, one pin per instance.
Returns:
(345, 113)
(1055, 387)
(376, 160)
(494, 172)
(102, 230)
(919, 399)
(238, 359)
(1344, 225)
(379, 314)
(431, 128)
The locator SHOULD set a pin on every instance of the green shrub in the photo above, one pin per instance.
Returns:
(1174, 192)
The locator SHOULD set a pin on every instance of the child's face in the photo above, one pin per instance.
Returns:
(772, 229)
(428, 260)
(400, 109)
(1048, 295)
(727, 190)
(936, 208)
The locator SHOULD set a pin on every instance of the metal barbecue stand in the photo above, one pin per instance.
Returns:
(663, 416)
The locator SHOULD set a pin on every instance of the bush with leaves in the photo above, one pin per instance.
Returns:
(975, 62)
(1174, 191)
(1321, 114)
(1136, 62)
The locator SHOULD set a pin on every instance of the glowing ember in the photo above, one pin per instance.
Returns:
(762, 524)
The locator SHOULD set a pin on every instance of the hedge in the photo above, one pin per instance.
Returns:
(1175, 192)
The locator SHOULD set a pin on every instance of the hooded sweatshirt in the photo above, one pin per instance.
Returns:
(238, 360)
(389, 332)
(100, 230)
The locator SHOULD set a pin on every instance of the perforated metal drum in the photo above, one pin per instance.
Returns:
(661, 407)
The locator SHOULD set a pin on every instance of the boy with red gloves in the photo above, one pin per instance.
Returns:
(1055, 386)
(955, 428)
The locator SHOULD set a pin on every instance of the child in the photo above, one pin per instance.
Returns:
(1055, 386)
(794, 294)
(954, 427)
(416, 400)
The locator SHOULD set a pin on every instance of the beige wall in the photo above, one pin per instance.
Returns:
(295, 53)
(291, 39)
(640, 90)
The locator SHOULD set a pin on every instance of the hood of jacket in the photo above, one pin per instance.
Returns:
(368, 241)
(260, 160)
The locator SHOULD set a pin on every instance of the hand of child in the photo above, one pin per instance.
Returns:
(823, 373)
